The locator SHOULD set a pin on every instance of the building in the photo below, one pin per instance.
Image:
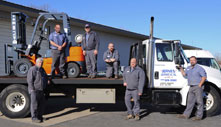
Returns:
(121, 38)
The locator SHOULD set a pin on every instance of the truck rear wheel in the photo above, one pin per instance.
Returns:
(73, 70)
(15, 101)
(21, 67)
(212, 101)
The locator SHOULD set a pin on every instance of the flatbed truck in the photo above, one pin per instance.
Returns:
(165, 84)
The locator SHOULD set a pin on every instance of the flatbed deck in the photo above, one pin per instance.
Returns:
(80, 80)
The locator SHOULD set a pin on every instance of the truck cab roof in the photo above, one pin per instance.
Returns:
(198, 53)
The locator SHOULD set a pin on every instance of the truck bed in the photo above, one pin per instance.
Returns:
(80, 80)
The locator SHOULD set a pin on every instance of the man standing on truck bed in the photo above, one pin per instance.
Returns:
(134, 80)
(111, 57)
(37, 81)
(90, 45)
(58, 43)
(196, 76)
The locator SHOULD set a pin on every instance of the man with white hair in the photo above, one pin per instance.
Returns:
(37, 81)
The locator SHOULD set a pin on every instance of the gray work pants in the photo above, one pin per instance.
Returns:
(135, 110)
(110, 67)
(91, 62)
(58, 59)
(195, 95)
(37, 104)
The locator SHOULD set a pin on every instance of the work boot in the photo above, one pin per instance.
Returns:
(116, 77)
(129, 117)
(93, 76)
(196, 119)
(64, 76)
(182, 116)
(43, 119)
(89, 76)
(137, 117)
(36, 121)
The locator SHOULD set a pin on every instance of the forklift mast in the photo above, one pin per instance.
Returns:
(18, 20)
(34, 45)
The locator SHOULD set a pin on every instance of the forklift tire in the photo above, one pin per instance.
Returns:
(73, 70)
(212, 101)
(21, 67)
(15, 101)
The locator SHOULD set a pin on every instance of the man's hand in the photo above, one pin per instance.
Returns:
(139, 94)
(112, 59)
(182, 71)
(49, 82)
(202, 81)
(95, 52)
(107, 60)
(125, 84)
(59, 48)
(84, 53)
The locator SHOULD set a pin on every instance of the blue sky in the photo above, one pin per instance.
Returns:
(194, 22)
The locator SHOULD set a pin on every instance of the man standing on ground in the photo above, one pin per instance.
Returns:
(58, 43)
(134, 80)
(196, 76)
(111, 57)
(37, 81)
(90, 47)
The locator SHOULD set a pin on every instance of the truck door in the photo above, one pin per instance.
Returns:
(137, 51)
(166, 75)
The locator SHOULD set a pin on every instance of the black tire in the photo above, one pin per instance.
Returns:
(18, 93)
(73, 70)
(21, 67)
(216, 106)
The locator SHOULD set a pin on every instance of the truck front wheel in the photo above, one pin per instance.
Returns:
(212, 101)
(15, 101)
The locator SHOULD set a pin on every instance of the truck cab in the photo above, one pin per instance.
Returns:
(165, 84)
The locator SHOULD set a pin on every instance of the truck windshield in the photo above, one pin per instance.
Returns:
(210, 62)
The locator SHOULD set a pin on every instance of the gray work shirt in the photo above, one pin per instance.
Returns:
(194, 74)
(87, 37)
(37, 79)
(91, 43)
(108, 55)
(58, 38)
(135, 78)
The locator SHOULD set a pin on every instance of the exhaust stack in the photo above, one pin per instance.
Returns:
(150, 63)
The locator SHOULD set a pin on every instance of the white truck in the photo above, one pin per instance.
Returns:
(209, 63)
(165, 84)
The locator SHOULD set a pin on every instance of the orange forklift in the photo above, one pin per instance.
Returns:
(20, 56)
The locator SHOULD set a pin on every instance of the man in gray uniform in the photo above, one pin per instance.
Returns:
(111, 57)
(37, 81)
(134, 80)
(196, 76)
(90, 45)
(58, 43)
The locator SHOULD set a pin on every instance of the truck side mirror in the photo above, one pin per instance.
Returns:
(177, 50)
(178, 60)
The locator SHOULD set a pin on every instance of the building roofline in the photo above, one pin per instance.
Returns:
(80, 21)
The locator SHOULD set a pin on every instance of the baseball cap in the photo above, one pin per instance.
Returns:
(87, 26)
